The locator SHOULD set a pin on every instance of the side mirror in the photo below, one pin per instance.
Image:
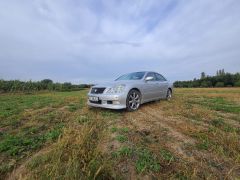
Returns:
(149, 78)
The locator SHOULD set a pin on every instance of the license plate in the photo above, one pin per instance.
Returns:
(93, 98)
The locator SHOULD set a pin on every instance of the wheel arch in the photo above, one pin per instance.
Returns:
(137, 89)
(169, 88)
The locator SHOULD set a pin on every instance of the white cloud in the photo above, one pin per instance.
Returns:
(84, 39)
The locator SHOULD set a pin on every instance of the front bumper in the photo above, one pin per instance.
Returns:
(110, 101)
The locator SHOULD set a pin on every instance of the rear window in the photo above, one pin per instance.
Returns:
(160, 77)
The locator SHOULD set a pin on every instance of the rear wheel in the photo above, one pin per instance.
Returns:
(169, 95)
(133, 100)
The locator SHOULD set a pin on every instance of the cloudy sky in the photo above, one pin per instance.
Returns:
(83, 41)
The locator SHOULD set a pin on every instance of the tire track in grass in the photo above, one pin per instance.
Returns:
(146, 120)
(141, 121)
(152, 120)
(223, 166)
(229, 119)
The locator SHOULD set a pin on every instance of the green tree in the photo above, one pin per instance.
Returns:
(66, 86)
(203, 75)
(45, 83)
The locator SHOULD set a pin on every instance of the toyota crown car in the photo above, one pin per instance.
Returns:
(130, 91)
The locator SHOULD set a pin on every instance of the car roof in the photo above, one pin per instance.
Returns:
(143, 72)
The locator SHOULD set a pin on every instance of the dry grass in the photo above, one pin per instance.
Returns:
(196, 135)
(193, 129)
(74, 156)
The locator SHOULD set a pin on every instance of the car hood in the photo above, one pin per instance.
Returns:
(114, 83)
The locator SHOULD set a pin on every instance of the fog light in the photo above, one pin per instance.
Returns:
(116, 102)
(109, 102)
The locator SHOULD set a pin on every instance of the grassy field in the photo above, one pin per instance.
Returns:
(55, 135)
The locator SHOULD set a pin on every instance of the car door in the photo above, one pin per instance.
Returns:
(150, 88)
(162, 85)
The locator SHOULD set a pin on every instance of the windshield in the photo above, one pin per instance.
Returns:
(131, 76)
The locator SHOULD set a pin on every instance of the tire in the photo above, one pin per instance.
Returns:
(133, 100)
(169, 95)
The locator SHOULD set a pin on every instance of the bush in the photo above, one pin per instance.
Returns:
(237, 84)
(219, 84)
(31, 86)
(206, 84)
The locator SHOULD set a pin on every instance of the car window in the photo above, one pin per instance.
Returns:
(131, 76)
(159, 77)
(150, 74)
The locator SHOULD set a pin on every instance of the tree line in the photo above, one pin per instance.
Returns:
(221, 79)
(31, 86)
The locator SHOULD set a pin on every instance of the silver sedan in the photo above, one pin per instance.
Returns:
(130, 91)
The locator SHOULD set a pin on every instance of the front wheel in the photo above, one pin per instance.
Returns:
(133, 100)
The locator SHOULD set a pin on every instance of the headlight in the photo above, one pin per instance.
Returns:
(116, 89)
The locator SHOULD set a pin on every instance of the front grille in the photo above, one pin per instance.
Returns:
(96, 102)
(97, 90)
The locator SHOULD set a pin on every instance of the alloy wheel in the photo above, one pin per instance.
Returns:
(133, 101)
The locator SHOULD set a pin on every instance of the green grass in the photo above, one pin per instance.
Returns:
(228, 128)
(146, 161)
(109, 114)
(54, 133)
(123, 151)
(121, 138)
(167, 155)
(203, 140)
(83, 119)
(14, 145)
(120, 130)
(221, 124)
(114, 129)
(124, 130)
(15, 104)
(217, 104)
(218, 122)
(76, 106)
(34, 121)
(28, 122)
(61, 138)
(17, 145)
(75, 155)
